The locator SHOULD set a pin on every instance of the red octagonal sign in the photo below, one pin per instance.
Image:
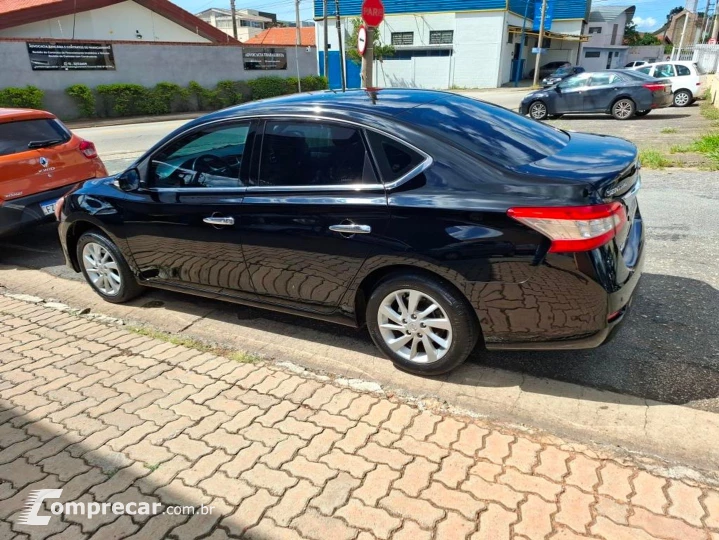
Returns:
(372, 12)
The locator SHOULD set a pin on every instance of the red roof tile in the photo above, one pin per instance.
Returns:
(284, 37)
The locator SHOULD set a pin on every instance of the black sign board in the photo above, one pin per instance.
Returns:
(264, 58)
(70, 56)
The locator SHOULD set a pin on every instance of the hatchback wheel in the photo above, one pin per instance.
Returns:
(423, 325)
(682, 98)
(105, 269)
(538, 110)
(623, 109)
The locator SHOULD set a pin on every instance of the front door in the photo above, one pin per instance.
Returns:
(184, 227)
(314, 210)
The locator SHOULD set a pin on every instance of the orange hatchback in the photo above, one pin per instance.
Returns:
(40, 161)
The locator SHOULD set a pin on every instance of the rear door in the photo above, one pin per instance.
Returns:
(602, 90)
(572, 94)
(314, 210)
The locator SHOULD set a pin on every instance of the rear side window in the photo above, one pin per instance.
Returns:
(394, 159)
(664, 70)
(488, 131)
(16, 137)
(682, 71)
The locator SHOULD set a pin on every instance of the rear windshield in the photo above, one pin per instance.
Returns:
(488, 131)
(16, 136)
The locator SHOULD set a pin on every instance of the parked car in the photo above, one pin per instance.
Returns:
(561, 74)
(636, 63)
(623, 94)
(688, 80)
(40, 161)
(550, 67)
(437, 220)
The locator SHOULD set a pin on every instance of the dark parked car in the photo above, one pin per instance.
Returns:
(621, 93)
(437, 220)
(550, 67)
(561, 74)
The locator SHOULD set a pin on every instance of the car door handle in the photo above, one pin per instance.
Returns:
(351, 228)
(217, 220)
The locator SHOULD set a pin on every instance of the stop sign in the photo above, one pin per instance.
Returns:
(712, 41)
(372, 12)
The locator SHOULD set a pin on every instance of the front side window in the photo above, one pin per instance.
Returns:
(575, 82)
(313, 154)
(645, 70)
(683, 71)
(402, 38)
(209, 157)
(24, 135)
(664, 70)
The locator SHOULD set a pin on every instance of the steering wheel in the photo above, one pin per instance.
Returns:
(209, 164)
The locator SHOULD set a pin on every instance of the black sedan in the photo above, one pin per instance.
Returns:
(621, 93)
(561, 74)
(549, 67)
(438, 221)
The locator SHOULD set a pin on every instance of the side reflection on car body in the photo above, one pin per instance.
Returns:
(436, 220)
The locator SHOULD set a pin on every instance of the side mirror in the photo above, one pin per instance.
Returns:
(129, 180)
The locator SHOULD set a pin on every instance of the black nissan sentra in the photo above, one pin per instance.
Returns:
(440, 222)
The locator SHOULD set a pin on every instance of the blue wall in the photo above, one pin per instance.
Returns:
(352, 71)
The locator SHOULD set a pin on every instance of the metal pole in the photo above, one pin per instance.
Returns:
(705, 26)
(715, 30)
(539, 44)
(339, 40)
(233, 12)
(518, 71)
(298, 43)
(681, 39)
(368, 59)
(327, 41)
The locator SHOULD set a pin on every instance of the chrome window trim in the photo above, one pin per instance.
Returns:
(420, 168)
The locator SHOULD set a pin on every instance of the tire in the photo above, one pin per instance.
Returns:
(110, 276)
(555, 116)
(623, 109)
(643, 113)
(538, 110)
(683, 98)
(456, 330)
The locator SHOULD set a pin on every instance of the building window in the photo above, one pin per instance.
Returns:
(591, 54)
(402, 38)
(615, 29)
(595, 29)
(547, 43)
(441, 37)
(408, 55)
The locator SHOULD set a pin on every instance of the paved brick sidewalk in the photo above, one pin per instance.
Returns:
(108, 415)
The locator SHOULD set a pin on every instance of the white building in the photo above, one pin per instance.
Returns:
(249, 21)
(455, 43)
(605, 48)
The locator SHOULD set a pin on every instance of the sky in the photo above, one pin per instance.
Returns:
(650, 14)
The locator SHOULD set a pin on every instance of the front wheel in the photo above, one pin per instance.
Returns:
(623, 109)
(105, 269)
(538, 110)
(643, 113)
(422, 324)
(682, 98)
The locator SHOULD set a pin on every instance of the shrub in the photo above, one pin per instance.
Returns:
(165, 98)
(314, 82)
(228, 93)
(123, 99)
(266, 87)
(204, 99)
(84, 99)
(29, 97)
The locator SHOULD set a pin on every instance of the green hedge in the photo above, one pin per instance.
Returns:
(29, 97)
(84, 99)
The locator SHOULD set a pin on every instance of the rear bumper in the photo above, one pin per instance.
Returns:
(23, 212)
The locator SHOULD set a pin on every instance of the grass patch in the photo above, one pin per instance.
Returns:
(651, 159)
(152, 468)
(680, 149)
(709, 146)
(190, 343)
(669, 130)
(709, 111)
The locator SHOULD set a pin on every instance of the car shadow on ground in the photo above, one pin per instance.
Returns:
(662, 117)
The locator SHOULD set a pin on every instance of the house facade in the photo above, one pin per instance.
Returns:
(250, 22)
(454, 43)
(605, 48)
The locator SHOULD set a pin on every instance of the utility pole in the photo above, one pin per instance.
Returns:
(327, 41)
(368, 59)
(539, 44)
(298, 44)
(681, 39)
(233, 11)
(715, 30)
(341, 49)
(705, 26)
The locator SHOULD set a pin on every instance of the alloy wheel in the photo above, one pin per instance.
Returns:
(623, 109)
(538, 111)
(101, 268)
(681, 99)
(414, 326)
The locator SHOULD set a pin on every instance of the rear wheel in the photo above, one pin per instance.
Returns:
(682, 98)
(422, 324)
(538, 110)
(643, 113)
(105, 269)
(623, 109)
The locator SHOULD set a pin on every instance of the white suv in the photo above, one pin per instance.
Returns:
(688, 81)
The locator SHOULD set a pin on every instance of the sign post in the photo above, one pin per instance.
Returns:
(372, 15)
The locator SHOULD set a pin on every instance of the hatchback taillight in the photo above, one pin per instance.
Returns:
(574, 228)
(655, 87)
(88, 149)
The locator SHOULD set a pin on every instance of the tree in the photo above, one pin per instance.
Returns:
(634, 38)
(380, 51)
(673, 12)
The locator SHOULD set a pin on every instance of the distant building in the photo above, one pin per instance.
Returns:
(455, 43)
(671, 33)
(283, 37)
(605, 48)
(250, 22)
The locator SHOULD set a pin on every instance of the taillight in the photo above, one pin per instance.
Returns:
(88, 149)
(574, 228)
(58, 207)
(654, 87)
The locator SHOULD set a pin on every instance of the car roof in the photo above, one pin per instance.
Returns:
(13, 115)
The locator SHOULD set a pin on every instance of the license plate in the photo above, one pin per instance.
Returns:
(48, 208)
